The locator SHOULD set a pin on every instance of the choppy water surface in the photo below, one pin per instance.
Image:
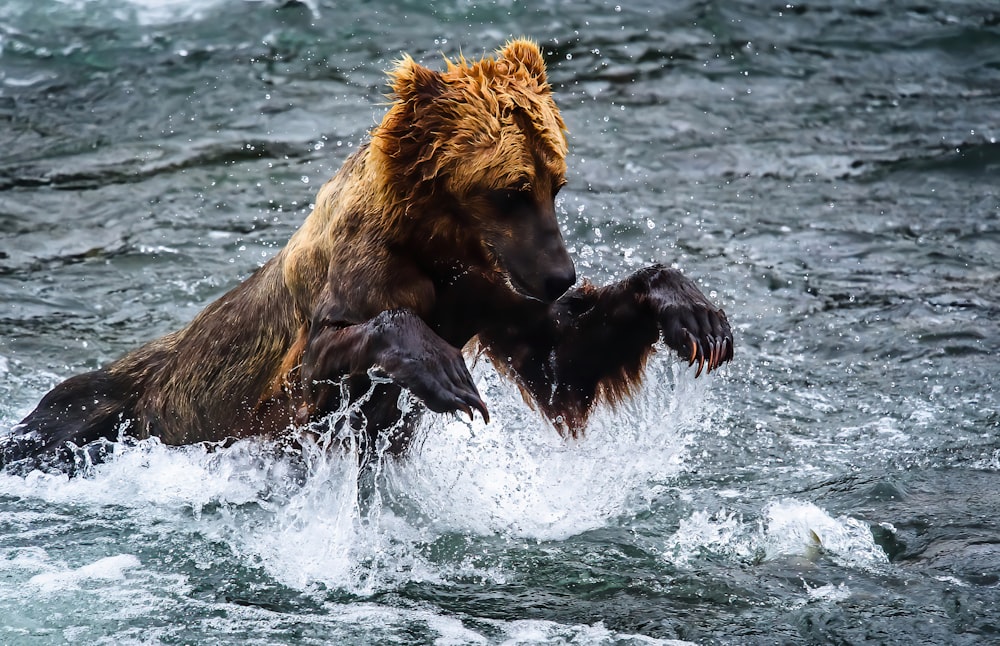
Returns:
(828, 170)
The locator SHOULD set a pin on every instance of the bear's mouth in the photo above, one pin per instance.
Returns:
(514, 282)
(519, 286)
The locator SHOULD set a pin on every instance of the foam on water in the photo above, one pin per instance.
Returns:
(548, 632)
(112, 600)
(142, 12)
(46, 596)
(111, 568)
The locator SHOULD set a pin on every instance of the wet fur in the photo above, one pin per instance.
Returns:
(440, 231)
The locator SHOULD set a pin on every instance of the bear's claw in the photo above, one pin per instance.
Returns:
(694, 348)
(689, 323)
(471, 403)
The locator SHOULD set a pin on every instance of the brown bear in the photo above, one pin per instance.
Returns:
(439, 232)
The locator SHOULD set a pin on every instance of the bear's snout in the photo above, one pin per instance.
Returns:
(557, 284)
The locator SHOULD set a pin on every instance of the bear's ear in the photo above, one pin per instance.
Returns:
(410, 80)
(526, 52)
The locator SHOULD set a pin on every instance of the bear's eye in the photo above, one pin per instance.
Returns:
(509, 199)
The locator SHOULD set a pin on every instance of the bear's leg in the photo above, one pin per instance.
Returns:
(396, 344)
(593, 342)
(80, 410)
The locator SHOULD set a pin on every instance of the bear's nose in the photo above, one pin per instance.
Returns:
(557, 284)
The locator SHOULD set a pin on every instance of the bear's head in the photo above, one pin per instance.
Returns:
(475, 155)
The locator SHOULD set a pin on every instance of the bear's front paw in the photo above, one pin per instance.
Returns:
(439, 378)
(691, 325)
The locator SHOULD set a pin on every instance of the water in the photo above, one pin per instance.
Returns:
(827, 170)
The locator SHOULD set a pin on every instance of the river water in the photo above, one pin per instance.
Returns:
(828, 171)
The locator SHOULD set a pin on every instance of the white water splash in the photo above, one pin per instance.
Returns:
(326, 525)
(796, 527)
(788, 528)
(517, 476)
(722, 533)
(514, 476)
(148, 475)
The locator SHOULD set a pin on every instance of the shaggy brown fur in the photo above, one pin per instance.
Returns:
(440, 231)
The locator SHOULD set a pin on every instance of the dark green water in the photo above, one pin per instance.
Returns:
(829, 170)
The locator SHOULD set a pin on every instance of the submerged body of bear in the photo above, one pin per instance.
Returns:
(441, 230)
